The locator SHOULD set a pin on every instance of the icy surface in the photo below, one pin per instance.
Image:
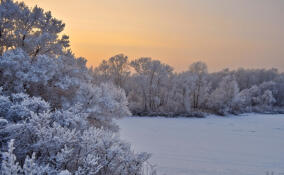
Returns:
(250, 144)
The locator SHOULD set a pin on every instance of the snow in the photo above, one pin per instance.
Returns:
(250, 144)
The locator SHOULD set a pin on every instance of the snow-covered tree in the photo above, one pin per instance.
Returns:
(33, 30)
(152, 82)
(223, 98)
(247, 78)
(180, 93)
(59, 118)
(115, 69)
(201, 84)
(63, 82)
(267, 98)
(279, 86)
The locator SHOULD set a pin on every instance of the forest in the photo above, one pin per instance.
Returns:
(153, 88)
(57, 115)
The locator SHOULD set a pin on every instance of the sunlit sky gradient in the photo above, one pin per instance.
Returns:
(222, 33)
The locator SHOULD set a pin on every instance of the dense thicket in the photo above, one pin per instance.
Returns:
(59, 141)
(56, 119)
(153, 88)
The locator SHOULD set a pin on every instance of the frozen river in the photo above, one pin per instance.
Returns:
(250, 144)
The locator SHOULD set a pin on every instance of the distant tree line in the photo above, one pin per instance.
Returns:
(154, 88)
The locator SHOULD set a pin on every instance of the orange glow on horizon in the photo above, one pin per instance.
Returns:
(222, 33)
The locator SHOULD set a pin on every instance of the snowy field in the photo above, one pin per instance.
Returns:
(250, 144)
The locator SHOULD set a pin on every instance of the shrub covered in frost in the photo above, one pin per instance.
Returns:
(61, 141)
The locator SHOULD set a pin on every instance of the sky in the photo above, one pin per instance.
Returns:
(222, 33)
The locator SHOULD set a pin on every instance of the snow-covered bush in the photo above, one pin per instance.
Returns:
(10, 166)
(256, 99)
(102, 103)
(19, 106)
(62, 140)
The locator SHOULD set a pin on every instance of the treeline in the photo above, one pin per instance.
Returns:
(154, 88)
